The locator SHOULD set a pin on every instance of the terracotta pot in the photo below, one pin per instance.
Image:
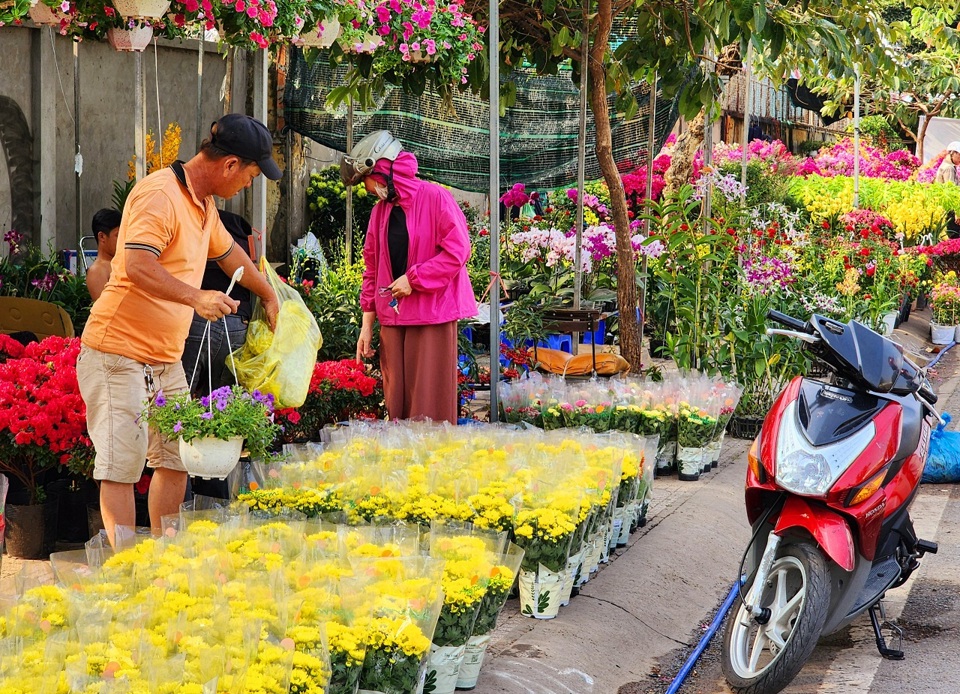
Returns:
(130, 39)
(149, 9)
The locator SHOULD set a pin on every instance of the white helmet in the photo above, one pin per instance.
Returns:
(379, 144)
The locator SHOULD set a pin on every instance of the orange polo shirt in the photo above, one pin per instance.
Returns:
(164, 217)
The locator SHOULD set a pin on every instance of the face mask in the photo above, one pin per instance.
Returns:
(381, 190)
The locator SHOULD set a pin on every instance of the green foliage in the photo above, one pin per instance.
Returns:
(327, 201)
(688, 295)
(334, 300)
(224, 414)
(121, 191)
(877, 132)
(523, 320)
(763, 184)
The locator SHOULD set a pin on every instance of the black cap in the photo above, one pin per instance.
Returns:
(247, 138)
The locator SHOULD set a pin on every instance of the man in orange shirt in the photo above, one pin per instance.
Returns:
(133, 340)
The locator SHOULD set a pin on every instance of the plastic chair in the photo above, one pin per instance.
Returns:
(597, 336)
(43, 319)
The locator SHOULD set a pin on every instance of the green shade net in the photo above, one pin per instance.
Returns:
(538, 136)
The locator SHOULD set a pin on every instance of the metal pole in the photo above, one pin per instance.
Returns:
(651, 143)
(292, 175)
(856, 140)
(708, 149)
(349, 228)
(139, 118)
(747, 93)
(581, 162)
(261, 69)
(200, 132)
(78, 160)
(493, 41)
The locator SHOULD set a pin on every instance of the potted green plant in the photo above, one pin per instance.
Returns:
(213, 429)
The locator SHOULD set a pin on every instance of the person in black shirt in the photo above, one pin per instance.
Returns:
(201, 372)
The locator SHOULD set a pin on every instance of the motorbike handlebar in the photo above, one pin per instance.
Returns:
(789, 321)
(927, 394)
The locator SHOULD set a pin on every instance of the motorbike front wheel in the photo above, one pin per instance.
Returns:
(764, 658)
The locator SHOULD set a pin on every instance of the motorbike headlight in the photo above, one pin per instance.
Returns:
(804, 473)
(809, 470)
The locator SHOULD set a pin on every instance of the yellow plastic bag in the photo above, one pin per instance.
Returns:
(281, 362)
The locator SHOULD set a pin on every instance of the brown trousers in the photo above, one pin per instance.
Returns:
(419, 365)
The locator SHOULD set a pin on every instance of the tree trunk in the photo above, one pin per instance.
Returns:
(630, 347)
(921, 133)
(681, 164)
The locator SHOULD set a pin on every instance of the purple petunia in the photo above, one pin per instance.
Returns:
(178, 427)
(160, 400)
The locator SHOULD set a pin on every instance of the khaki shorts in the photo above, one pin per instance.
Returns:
(115, 392)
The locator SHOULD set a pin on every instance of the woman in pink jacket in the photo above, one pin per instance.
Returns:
(415, 282)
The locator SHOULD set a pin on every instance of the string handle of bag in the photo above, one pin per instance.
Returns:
(237, 275)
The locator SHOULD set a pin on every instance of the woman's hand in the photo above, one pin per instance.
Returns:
(365, 341)
(401, 287)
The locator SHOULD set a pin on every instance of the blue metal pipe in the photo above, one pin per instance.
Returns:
(941, 353)
(705, 640)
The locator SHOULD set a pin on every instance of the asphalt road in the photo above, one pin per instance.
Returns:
(927, 608)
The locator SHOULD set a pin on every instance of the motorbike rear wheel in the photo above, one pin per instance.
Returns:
(764, 658)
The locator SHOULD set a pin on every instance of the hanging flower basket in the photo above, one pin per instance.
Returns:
(148, 9)
(42, 14)
(323, 38)
(422, 57)
(130, 39)
(211, 458)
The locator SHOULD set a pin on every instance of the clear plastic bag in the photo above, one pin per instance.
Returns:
(280, 363)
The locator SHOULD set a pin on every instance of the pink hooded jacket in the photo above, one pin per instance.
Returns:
(437, 257)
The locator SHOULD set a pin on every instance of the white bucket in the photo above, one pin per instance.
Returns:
(942, 334)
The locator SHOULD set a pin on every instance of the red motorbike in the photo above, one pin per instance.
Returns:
(830, 480)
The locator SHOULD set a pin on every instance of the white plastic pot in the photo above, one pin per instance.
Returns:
(540, 593)
(942, 334)
(211, 458)
(130, 39)
(149, 9)
(443, 668)
(472, 661)
(321, 39)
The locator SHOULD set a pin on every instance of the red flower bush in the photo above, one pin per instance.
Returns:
(339, 391)
(42, 416)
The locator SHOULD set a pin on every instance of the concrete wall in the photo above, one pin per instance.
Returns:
(38, 77)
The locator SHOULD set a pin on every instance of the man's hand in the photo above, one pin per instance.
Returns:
(214, 305)
(401, 287)
(364, 344)
(271, 307)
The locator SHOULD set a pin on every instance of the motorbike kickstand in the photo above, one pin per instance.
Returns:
(876, 614)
